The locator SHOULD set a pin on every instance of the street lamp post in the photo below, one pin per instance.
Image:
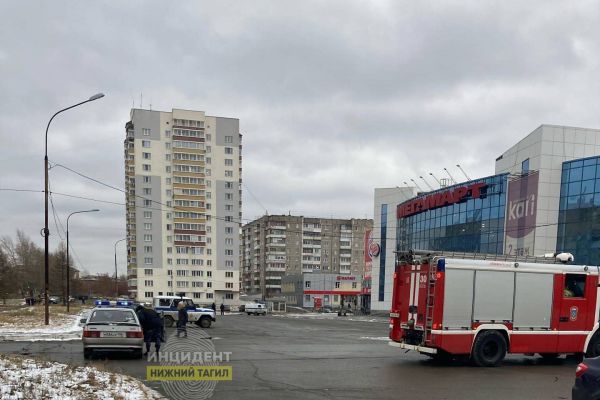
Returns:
(117, 276)
(68, 266)
(46, 231)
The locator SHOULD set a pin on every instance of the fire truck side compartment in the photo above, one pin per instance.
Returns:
(533, 300)
(494, 292)
(458, 291)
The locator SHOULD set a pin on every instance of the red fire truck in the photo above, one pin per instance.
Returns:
(446, 305)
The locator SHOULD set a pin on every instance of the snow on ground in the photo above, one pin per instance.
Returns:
(28, 325)
(313, 315)
(22, 378)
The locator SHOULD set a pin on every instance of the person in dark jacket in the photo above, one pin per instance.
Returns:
(222, 309)
(151, 326)
(182, 319)
(213, 306)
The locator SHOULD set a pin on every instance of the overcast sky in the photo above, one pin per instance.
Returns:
(334, 98)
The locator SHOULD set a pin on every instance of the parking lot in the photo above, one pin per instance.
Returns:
(324, 357)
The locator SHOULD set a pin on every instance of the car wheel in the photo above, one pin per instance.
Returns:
(593, 349)
(169, 321)
(249, 313)
(205, 322)
(87, 353)
(489, 349)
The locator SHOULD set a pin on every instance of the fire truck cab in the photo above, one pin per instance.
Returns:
(486, 306)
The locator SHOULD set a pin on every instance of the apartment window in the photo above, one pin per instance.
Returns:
(148, 271)
(168, 181)
(337, 285)
(208, 195)
(229, 174)
(169, 227)
(208, 160)
(168, 146)
(207, 172)
(147, 179)
(228, 185)
(148, 226)
(197, 295)
(209, 295)
(307, 284)
(228, 162)
(147, 249)
(229, 263)
(229, 241)
(168, 169)
(169, 193)
(167, 157)
(228, 252)
(169, 261)
(228, 274)
(228, 139)
(229, 296)
(147, 191)
(147, 238)
(228, 150)
(228, 207)
(148, 283)
(208, 252)
(145, 143)
(353, 285)
(146, 167)
(147, 203)
(208, 273)
(208, 284)
(147, 214)
(148, 260)
(307, 297)
(167, 133)
(145, 131)
(228, 230)
(208, 149)
(208, 137)
(228, 285)
(149, 294)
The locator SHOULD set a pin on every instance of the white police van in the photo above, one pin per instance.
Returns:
(167, 306)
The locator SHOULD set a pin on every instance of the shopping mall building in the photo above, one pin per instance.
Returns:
(544, 197)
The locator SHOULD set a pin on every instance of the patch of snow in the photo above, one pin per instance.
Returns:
(313, 315)
(65, 328)
(382, 338)
(32, 379)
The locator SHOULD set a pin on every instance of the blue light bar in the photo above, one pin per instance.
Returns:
(124, 303)
(102, 303)
(441, 265)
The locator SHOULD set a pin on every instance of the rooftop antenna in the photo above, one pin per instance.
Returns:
(451, 178)
(427, 183)
(436, 179)
(416, 185)
(463, 171)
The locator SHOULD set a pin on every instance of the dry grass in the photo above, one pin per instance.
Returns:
(33, 316)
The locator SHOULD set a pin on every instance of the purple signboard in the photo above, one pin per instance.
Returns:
(521, 208)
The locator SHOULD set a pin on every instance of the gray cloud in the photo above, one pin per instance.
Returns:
(334, 98)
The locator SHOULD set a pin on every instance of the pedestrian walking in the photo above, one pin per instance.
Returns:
(182, 319)
(222, 309)
(151, 327)
(213, 306)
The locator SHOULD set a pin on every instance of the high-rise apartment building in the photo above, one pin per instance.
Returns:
(183, 179)
(279, 245)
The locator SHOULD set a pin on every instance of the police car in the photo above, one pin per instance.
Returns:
(167, 306)
(112, 327)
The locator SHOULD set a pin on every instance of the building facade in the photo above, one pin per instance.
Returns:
(541, 200)
(322, 290)
(274, 246)
(183, 174)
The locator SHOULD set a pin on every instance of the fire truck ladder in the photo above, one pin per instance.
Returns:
(431, 280)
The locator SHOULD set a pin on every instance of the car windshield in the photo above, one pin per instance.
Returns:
(112, 316)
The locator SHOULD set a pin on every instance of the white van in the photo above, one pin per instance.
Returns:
(256, 309)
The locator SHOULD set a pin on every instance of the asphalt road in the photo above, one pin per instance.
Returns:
(335, 358)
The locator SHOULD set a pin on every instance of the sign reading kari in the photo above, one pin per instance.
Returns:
(521, 214)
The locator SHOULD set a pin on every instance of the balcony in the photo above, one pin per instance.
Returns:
(275, 269)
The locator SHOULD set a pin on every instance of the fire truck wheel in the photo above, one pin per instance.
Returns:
(593, 349)
(489, 349)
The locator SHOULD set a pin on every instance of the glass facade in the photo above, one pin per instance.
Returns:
(473, 225)
(579, 210)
